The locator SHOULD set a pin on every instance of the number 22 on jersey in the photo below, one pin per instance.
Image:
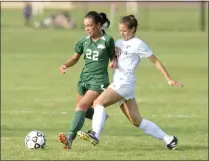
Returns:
(92, 55)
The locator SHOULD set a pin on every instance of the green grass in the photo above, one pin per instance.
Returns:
(36, 96)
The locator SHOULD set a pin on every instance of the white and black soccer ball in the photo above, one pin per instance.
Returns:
(35, 140)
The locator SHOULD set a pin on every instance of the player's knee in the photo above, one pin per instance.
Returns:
(97, 102)
(136, 121)
(82, 106)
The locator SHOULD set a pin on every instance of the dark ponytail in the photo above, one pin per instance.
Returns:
(132, 16)
(99, 18)
(105, 21)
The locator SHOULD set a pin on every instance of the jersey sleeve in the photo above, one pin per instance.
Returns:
(111, 48)
(144, 51)
(117, 43)
(79, 47)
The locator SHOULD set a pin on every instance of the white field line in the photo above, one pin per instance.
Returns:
(66, 113)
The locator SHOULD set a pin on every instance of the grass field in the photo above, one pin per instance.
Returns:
(35, 96)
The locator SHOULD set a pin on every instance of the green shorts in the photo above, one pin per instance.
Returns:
(84, 87)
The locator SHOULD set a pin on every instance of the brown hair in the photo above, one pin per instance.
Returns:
(129, 21)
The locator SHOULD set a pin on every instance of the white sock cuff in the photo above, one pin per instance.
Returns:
(98, 108)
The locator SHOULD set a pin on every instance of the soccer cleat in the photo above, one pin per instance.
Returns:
(172, 145)
(64, 139)
(89, 136)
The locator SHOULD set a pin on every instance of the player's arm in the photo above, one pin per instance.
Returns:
(145, 52)
(113, 62)
(74, 59)
(158, 64)
(111, 54)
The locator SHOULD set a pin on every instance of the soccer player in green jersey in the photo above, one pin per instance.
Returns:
(98, 48)
(122, 89)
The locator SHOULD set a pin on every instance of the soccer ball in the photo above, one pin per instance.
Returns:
(35, 140)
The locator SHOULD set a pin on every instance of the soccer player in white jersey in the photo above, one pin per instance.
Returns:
(132, 50)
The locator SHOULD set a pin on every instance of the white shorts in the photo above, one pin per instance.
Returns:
(126, 90)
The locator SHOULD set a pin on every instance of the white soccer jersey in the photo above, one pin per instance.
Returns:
(132, 51)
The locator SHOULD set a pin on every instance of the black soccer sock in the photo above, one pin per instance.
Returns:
(90, 113)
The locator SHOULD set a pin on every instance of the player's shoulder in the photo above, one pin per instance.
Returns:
(119, 42)
(84, 38)
(139, 42)
(135, 41)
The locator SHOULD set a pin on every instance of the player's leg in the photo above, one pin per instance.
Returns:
(108, 97)
(82, 89)
(78, 118)
(130, 109)
(89, 112)
(99, 88)
(78, 98)
(80, 113)
(82, 104)
(64, 138)
(27, 12)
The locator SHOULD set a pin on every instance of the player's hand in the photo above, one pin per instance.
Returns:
(174, 83)
(63, 69)
(113, 63)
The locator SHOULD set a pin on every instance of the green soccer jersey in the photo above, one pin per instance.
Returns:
(96, 55)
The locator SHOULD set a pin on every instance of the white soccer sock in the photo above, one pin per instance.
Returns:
(98, 119)
(153, 130)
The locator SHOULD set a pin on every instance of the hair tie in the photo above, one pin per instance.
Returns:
(104, 26)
